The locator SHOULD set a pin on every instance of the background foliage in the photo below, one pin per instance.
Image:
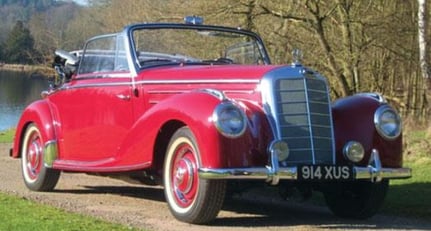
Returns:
(361, 46)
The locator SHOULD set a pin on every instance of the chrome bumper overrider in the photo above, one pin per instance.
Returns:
(272, 174)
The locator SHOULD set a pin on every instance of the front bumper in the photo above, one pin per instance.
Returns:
(273, 173)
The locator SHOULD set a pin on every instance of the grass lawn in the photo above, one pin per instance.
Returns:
(7, 136)
(411, 197)
(21, 214)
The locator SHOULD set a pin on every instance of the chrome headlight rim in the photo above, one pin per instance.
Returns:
(379, 124)
(222, 123)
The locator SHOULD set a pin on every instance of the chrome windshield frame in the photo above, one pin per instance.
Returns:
(128, 31)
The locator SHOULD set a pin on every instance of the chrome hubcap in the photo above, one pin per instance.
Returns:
(34, 158)
(184, 176)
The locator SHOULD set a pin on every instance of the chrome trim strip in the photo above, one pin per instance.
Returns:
(74, 166)
(376, 96)
(200, 89)
(310, 124)
(373, 172)
(198, 81)
(79, 86)
(268, 103)
(331, 121)
(165, 91)
(247, 173)
(100, 75)
(50, 151)
(133, 83)
(384, 173)
(216, 93)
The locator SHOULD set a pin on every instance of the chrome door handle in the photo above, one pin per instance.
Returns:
(123, 97)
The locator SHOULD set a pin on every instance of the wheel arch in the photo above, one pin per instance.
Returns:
(159, 151)
(38, 113)
(155, 128)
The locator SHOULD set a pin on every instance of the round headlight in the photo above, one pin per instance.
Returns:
(353, 151)
(229, 119)
(388, 122)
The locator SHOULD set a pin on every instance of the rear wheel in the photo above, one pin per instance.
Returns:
(36, 176)
(358, 200)
(190, 199)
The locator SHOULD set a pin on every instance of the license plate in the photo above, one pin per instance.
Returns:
(325, 172)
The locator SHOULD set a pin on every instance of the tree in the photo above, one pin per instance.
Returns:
(423, 57)
(422, 31)
(19, 45)
(50, 28)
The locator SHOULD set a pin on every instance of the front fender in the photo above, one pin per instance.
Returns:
(39, 113)
(354, 121)
(192, 109)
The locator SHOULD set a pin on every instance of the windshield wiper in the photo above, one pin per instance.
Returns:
(219, 61)
(145, 62)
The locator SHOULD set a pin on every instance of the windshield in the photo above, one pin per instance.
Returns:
(184, 45)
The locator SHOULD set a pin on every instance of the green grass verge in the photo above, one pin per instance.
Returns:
(411, 197)
(21, 214)
(7, 136)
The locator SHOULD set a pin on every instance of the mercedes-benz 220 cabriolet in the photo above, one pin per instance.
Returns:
(201, 110)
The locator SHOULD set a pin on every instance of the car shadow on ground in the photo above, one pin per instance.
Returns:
(147, 193)
(256, 211)
(278, 213)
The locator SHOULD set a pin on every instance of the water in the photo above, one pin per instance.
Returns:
(17, 90)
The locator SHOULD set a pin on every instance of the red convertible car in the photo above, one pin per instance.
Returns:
(201, 110)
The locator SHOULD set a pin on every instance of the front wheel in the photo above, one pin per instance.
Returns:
(358, 200)
(36, 176)
(190, 199)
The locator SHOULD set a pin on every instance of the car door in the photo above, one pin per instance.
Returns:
(95, 110)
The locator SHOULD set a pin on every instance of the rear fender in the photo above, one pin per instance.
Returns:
(192, 109)
(38, 113)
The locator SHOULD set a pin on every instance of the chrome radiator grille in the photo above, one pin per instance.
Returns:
(304, 119)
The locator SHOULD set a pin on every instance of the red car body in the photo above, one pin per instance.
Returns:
(224, 122)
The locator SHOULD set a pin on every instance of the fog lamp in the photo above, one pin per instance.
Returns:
(281, 150)
(353, 151)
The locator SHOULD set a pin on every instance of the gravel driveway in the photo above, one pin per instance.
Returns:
(145, 207)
